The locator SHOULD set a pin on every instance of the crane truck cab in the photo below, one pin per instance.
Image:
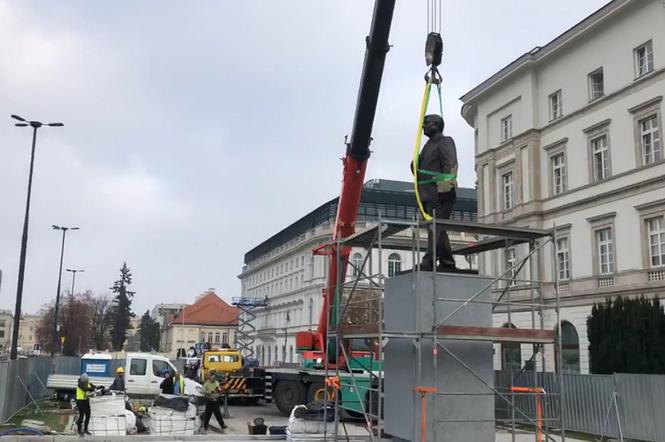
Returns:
(236, 379)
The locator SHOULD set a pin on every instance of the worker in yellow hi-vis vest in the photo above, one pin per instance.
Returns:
(178, 384)
(83, 390)
(437, 183)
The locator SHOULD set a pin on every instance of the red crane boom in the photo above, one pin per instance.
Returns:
(354, 165)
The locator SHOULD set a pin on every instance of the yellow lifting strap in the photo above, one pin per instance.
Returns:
(419, 137)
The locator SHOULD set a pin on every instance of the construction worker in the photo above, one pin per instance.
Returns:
(178, 384)
(437, 171)
(213, 392)
(119, 381)
(167, 384)
(83, 389)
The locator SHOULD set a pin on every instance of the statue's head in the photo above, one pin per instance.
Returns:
(432, 125)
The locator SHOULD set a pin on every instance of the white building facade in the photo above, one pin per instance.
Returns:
(570, 135)
(284, 270)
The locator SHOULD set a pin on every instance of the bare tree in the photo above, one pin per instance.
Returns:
(100, 321)
(75, 321)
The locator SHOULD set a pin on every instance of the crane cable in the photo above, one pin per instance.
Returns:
(433, 55)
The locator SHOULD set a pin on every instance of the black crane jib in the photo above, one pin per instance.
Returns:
(370, 81)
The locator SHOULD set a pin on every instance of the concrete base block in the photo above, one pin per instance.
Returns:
(409, 308)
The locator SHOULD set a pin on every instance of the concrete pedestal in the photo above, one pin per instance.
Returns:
(409, 308)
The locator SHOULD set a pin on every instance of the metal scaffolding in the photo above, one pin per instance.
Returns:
(529, 406)
(246, 329)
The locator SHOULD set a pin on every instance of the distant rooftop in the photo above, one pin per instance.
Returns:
(209, 309)
(389, 198)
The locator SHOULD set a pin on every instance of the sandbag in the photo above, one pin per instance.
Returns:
(168, 421)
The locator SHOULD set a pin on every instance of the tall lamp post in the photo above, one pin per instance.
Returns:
(74, 272)
(56, 338)
(22, 122)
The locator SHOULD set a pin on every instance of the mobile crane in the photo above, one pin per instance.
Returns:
(290, 387)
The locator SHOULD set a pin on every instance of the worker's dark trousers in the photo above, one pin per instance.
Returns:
(84, 411)
(212, 407)
(443, 208)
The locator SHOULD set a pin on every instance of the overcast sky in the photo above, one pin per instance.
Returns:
(195, 130)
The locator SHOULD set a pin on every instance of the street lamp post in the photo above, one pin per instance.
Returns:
(22, 122)
(73, 272)
(56, 338)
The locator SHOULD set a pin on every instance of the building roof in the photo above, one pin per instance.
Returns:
(209, 309)
(539, 53)
(378, 196)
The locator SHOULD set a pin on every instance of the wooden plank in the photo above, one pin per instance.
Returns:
(496, 334)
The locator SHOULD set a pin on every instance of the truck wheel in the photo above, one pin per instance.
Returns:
(288, 394)
(316, 392)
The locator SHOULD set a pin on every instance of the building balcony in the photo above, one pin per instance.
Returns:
(626, 283)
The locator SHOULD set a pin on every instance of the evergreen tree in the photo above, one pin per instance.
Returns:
(121, 309)
(149, 333)
(627, 336)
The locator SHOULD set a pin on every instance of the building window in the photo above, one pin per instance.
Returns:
(605, 249)
(225, 338)
(601, 158)
(652, 149)
(508, 188)
(357, 262)
(394, 264)
(311, 312)
(563, 258)
(644, 59)
(507, 128)
(511, 353)
(209, 337)
(511, 262)
(558, 173)
(570, 348)
(556, 105)
(217, 338)
(596, 84)
(656, 233)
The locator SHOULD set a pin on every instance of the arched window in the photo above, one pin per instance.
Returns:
(394, 264)
(511, 353)
(570, 348)
(311, 312)
(357, 262)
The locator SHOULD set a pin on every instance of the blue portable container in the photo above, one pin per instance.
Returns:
(96, 364)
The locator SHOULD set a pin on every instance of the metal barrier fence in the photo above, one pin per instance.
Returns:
(632, 405)
(21, 379)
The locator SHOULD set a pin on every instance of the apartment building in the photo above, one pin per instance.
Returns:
(570, 135)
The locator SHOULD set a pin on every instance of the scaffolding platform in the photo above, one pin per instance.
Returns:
(457, 332)
(444, 317)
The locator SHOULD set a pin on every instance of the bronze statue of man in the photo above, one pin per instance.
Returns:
(436, 175)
